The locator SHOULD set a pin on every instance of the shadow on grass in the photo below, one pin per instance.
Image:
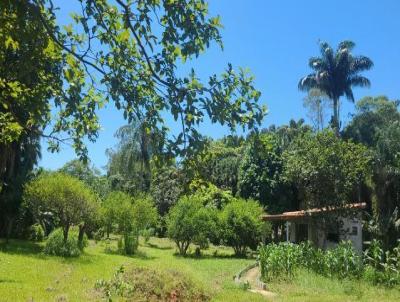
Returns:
(211, 256)
(155, 246)
(8, 281)
(20, 247)
(138, 254)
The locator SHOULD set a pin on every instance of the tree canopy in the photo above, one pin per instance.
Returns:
(335, 73)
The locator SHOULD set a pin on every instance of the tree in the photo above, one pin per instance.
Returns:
(65, 197)
(242, 225)
(376, 124)
(260, 174)
(335, 74)
(144, 213)
(168, 186)
(316, 102)
(119, 52)
(326, 170)
(189, 222)
(89, 175)
(137, 153)
(24, 90)
(127, 53)
(210, 195)
(110, 209)
(217, 162)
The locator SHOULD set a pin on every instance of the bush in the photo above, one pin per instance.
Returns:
(36, 232)
(55, 244)
(242, 225)
(189, 222)
(128, 243)
(143, 284)
(147, 233)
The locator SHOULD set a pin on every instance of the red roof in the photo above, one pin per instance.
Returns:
(310, 212)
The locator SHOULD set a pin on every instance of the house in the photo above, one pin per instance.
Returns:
(306, 225)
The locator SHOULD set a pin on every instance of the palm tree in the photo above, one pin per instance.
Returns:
(335, 74)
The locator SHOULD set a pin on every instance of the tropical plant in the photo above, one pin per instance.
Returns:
(382, 267)
(110, 210)
(376, 124)
(209, 194)
(335, 73)
(281, 261)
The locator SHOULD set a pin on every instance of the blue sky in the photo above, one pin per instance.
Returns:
(275, 39)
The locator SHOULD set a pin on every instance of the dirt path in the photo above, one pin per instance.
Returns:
(251, 276)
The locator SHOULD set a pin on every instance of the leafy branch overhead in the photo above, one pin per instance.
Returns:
(128, 53)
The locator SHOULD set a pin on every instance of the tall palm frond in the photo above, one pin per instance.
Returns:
(336, 73)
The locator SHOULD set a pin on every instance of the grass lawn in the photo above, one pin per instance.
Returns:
(28, 275)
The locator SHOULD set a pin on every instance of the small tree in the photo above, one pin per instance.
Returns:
(65, 197)
(110, 209)
(242, 225)
(144, 213)
(189, 222)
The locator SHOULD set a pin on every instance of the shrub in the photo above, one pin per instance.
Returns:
(147, 233)
(128, 243)
(143, 284)
(57, 246)
(242, 226)
(36, 232)
(189, 222)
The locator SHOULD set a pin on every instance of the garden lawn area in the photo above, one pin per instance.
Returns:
(28, 275)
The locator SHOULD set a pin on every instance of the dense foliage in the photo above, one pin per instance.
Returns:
(194, 189)
(326, 169)
(284, 259)
(57, 246)
(242, 226)
(120, 52)
(64, 198)
(189, 222)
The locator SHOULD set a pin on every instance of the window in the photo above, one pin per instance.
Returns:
(354, 231)
(333, 237)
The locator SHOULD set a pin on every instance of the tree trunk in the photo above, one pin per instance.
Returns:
(82, 228)
(10, 222)
(65, 233)
(335, 119)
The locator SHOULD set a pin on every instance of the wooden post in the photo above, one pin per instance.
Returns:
(287, 231)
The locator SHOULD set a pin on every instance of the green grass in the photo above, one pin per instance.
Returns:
(311, 287)
(28, 275)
